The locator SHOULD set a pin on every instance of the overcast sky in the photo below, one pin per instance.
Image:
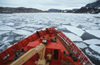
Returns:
(45, 4)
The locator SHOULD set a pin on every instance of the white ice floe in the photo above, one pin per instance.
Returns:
(7, 41)
(22, 32)
(5, 38)
(19, 37)
(95, 48)
(4, 27)
(61, 28)
(38, 26)
(73, 37)
(81, 45)
(24, 25)
(1, 23)
(94, 27)
(28, 29)
(3, 47)
(94, 32)
(92, 41)
(75, 30)
(3, 32)
(92, 55)
(10, 24)
(30, 25)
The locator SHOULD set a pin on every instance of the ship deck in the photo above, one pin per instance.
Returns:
(57, 58)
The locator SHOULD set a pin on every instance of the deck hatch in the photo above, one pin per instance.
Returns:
(56, 54)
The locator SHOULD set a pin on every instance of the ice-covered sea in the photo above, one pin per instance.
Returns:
(83, 29)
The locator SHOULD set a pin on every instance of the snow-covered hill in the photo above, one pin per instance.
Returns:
(83, 29)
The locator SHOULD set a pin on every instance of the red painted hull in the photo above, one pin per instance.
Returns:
(63, 43)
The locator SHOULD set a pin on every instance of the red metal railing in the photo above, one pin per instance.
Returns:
(84, 60)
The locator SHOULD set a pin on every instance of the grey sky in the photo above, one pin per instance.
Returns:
(45, 4)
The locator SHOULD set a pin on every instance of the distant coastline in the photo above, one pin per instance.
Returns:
(34, 10)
